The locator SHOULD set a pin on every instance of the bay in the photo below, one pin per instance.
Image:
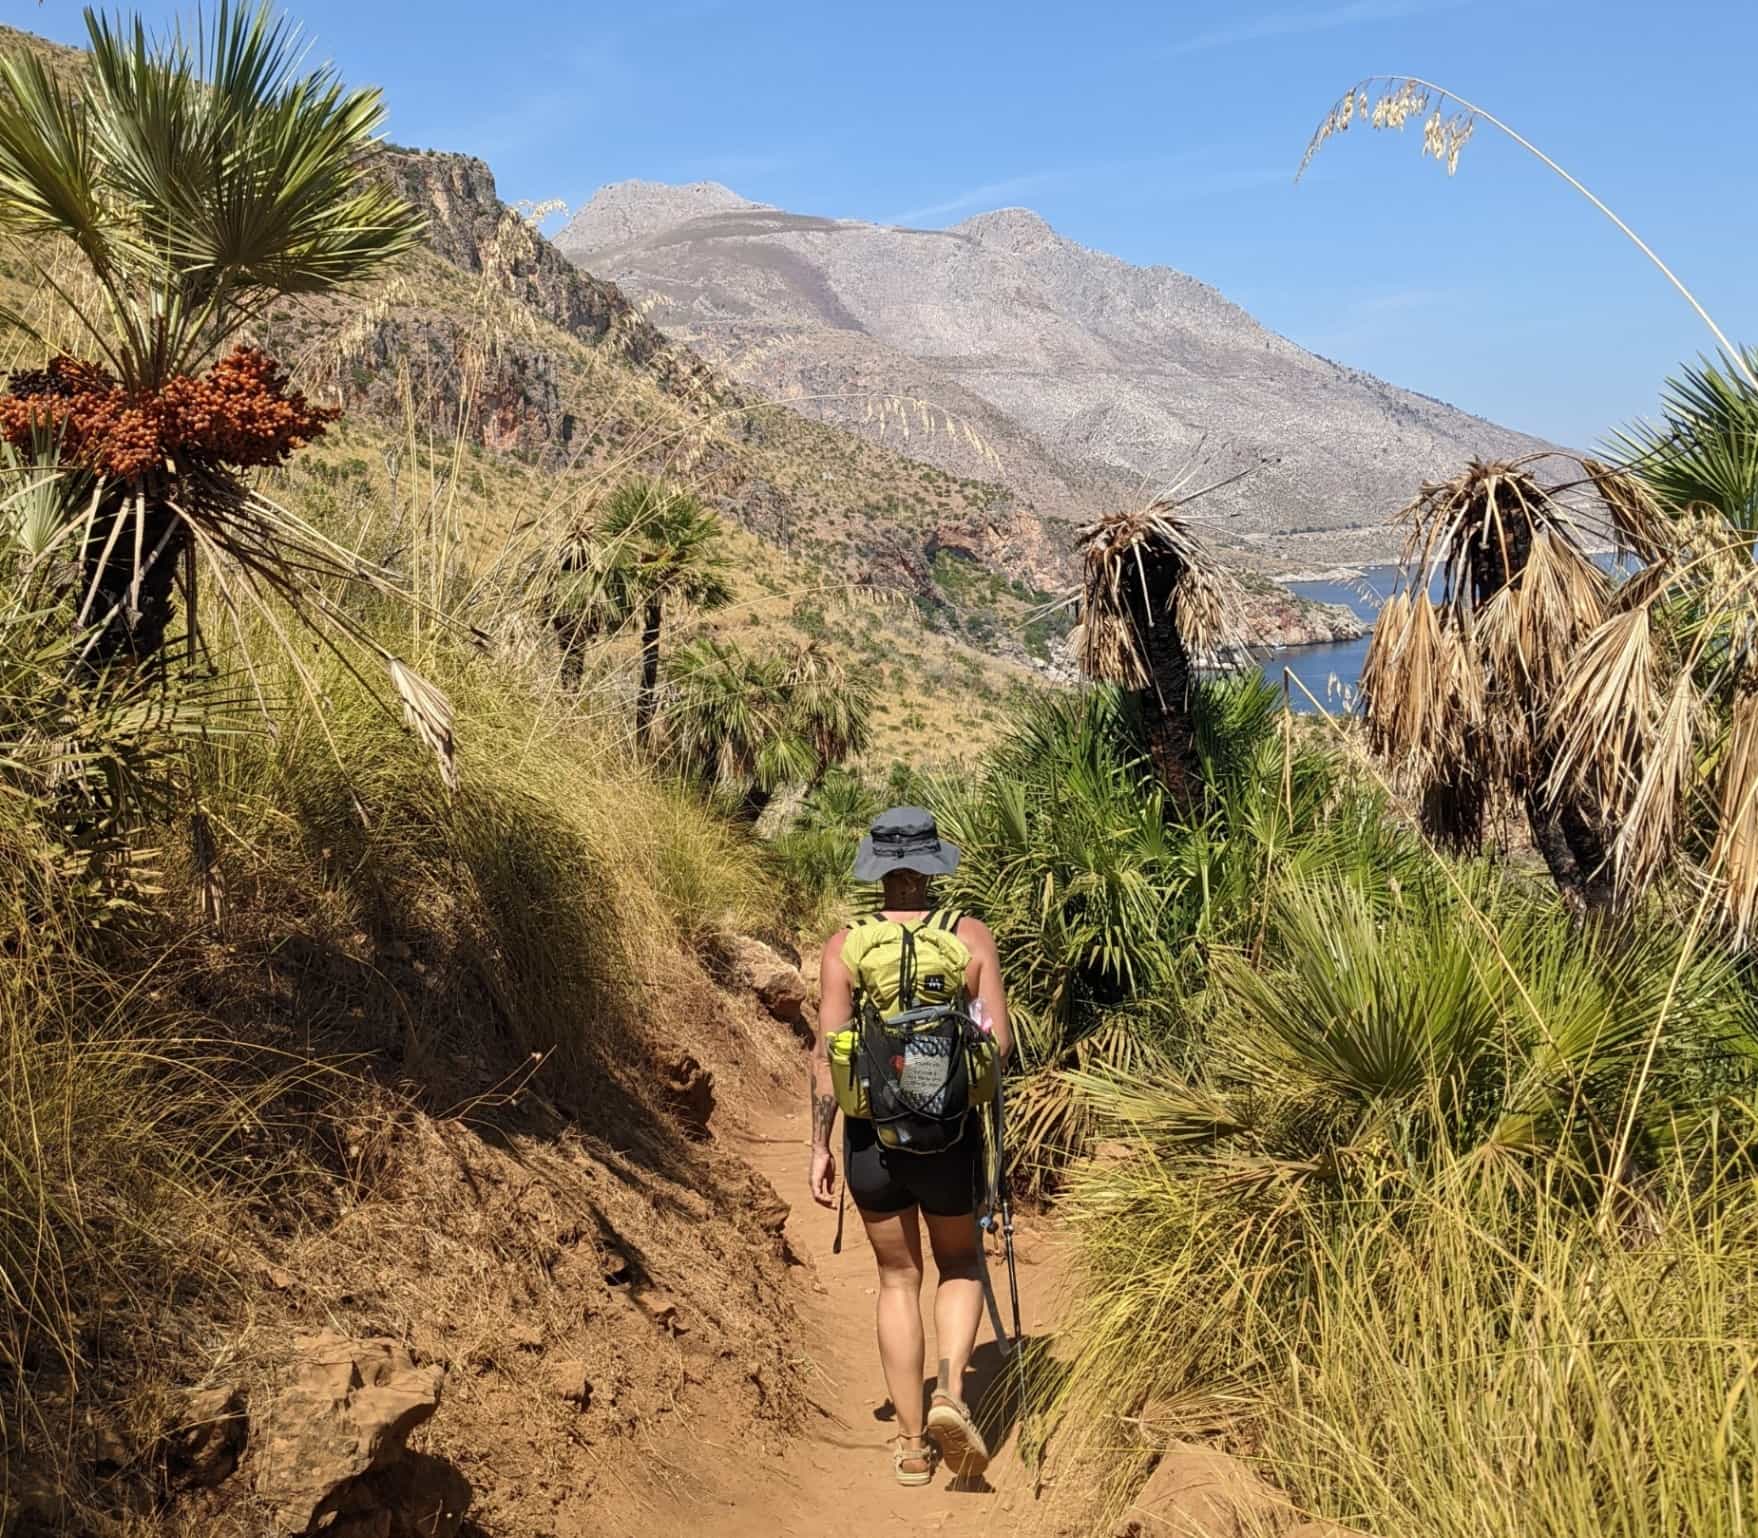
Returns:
(1330, 672)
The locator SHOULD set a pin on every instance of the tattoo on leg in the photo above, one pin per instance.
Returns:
(944, 1386)
(823, 1117)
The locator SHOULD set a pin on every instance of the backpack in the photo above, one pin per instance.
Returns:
(912, 1063)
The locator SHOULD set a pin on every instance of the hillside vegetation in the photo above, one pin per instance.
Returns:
(397, 886)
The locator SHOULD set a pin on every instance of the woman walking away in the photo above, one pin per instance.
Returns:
(901, 1052)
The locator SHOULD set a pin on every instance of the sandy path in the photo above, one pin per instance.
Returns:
(837, 1476)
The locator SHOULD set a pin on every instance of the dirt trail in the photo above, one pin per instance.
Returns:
(837, 1476)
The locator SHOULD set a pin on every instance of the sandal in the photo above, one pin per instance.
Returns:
(914, 1465)
(952, 1430)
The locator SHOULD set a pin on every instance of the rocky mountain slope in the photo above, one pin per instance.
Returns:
(492, 341)
(551, 370)
(1088, 377)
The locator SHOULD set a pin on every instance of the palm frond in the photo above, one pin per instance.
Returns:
(1704, 450)
(1145, 567)
(1734, 858)
(198, 182)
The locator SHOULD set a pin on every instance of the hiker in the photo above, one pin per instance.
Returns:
(918, 1147)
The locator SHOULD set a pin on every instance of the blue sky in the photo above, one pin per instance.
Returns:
(1164, 133)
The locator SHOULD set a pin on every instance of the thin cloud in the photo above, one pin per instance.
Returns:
(988, 195)
(1293, 23)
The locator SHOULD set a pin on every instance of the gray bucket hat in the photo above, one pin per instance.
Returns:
(905, 838)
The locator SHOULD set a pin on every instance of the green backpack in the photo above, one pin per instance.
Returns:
(912, 1063)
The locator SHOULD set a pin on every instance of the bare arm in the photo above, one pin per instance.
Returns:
(835, 1009)
(986, 984)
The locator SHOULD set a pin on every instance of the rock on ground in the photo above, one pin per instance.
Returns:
(333, 1444)
(690, 1088)
(204, 1447)
(780, 986)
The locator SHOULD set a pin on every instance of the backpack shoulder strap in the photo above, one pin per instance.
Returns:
(944, 918)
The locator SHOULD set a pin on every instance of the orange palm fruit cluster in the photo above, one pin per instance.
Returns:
(240, 413)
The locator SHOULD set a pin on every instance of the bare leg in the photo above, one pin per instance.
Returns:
(958, 1302)
(896, 1238)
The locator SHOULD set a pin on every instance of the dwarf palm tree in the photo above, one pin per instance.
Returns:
(655, 545)
(168, 197)
(1153, 602)
(1664, 714)
(750, 723)
(829, 706)
(728, 721)
(1462, 691)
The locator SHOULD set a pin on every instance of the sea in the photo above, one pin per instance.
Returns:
(1329, 673)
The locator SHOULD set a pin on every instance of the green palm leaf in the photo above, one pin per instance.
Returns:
(197, 182)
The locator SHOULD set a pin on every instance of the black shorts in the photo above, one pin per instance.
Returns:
(884, 1181)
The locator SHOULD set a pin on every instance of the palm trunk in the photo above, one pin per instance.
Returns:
(1165, 707)
(129, 565)
(1559, 858)
(649, 691)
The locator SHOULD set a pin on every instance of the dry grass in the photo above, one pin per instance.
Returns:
(1456, 1378)
(1448, 123)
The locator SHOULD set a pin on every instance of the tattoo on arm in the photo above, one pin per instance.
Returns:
(823, 1117)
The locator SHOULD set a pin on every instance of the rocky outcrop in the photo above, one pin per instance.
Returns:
(332, 1445)
(1277, 618)
(470, 228)
(515, 392)
(779, 985)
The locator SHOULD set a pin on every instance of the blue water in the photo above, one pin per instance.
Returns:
(1331, 671)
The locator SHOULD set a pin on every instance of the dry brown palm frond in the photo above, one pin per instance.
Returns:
(1478, 527)
(1529, 629)
(1638, 523)
(1382, 674)
(1734, 858)
(1649, 824)
(1422, 692)
(1455, 807)
(1401, 683)
(1146, 567)
(429, 713)
(1607, 713)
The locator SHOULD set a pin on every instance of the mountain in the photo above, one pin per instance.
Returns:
(524, 387)
(1009, 351)
(560, 386)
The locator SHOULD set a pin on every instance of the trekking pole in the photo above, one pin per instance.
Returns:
(986, 1221)
(1006, 1205)
(842, 1195)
